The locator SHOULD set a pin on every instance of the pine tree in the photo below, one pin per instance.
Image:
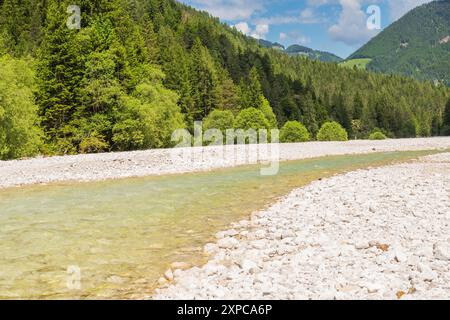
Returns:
(446, 122)
(204, 80)
(251, 93)
(227, 94)
(60, 72)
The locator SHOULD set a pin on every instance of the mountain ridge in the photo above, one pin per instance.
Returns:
(416, 45)
(299, 50)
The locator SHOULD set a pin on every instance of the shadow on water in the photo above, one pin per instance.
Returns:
(123, 234)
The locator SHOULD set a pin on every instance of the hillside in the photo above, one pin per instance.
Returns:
(313, 54)
(298, 50)
(417, 45)
(137, 70)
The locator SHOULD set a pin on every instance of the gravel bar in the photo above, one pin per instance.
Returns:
(94, 167)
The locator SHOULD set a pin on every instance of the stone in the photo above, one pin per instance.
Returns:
(400, 255)
(248, 265)
(228, 243)
(373, 287)
(180, 265)
(168, 275)
(258, 244)
(426, 273)
(442, 251)
(162, 281)
(210, 248)
(362, 244)
(260, 234)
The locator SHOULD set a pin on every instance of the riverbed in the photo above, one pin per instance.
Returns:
(123, 234)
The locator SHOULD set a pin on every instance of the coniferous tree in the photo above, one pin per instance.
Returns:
(251, 93)
(204, 81)
(446, 122)
(60, 72)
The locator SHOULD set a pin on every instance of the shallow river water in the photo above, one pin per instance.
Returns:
(118, 237)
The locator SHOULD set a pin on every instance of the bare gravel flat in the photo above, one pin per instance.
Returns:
(158, 162)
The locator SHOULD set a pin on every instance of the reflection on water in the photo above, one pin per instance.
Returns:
(123, 234)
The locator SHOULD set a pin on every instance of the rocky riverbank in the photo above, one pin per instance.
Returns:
(157, 162)
(370, 234)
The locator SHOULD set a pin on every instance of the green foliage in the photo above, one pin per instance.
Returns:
(251, 92)
(414, 45)
(218, 119)
(294, 131)
(356, 63)
(204, 80)
(446, 122)
(147, 119)
(332, 131)
(139, 69)
(93, 144)
(19, 134)
(251, 118)
(97, 90)
(267, 110)
(377, 135)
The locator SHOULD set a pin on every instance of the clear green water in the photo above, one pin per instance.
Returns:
(124, 234)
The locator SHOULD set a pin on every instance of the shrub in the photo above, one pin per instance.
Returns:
(247, 120)
(294, 131)
(332, 131)
(95, 143)
(251, 118)
(147, 119)
(218, 119)
(377, 135)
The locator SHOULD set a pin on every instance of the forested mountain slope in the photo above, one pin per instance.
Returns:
(416, 45)
(138, 69)
(312, 54)
(295, 50)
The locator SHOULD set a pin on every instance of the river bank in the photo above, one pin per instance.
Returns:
(369, 234)
(95, 167)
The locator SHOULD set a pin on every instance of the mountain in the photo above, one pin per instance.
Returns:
(136, 70)
(271, 45)
(417, 45)
(313, 54)
(298, 50)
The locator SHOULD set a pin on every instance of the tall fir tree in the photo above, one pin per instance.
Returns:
(60, 71)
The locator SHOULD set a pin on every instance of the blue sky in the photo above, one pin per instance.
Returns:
(338, 26)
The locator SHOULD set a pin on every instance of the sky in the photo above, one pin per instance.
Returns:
(337, 26)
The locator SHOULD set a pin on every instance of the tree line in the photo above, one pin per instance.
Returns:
(137, 70)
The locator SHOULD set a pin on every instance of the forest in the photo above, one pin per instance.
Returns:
(136, 70)
(416, 45)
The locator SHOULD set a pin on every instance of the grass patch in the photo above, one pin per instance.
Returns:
(359, 63)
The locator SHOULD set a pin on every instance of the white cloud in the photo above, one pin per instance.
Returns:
(243, 27)
(260, 31)
(352, 25)
(295, 37)
(230, 9)
(306, 16)
(262, 28)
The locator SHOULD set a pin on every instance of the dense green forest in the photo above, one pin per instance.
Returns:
(138, 69)
(417, 45)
